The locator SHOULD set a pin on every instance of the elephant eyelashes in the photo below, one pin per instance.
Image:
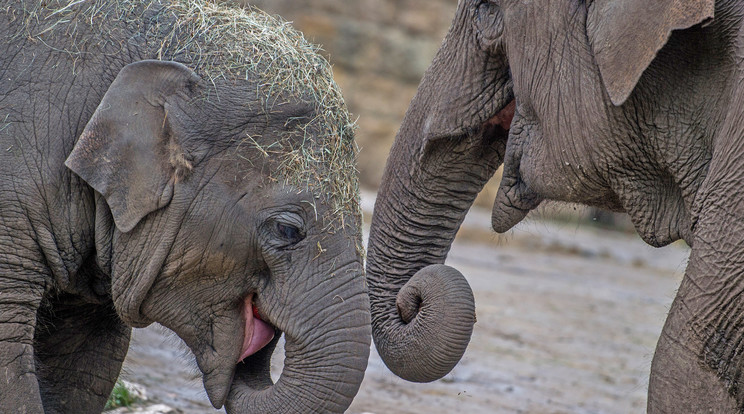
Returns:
(285, 229)
(289, 232)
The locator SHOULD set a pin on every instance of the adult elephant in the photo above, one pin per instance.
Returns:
(628, 105)
(176, 162)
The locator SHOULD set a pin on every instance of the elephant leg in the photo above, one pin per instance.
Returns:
(681, 381)
(20, 296)
(699, 361)
(80, 348)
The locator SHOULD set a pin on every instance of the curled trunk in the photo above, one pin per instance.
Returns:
(423, 311)
(451, 142)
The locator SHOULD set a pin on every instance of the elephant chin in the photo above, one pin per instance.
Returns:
(513, 199)
(251, 374)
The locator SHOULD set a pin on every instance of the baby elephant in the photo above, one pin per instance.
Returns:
(182, 163)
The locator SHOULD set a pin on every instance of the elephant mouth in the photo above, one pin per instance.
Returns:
(249, 366)
(504, 117)
(257, 333)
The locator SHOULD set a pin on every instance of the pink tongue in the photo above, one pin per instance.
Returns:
(257, 332)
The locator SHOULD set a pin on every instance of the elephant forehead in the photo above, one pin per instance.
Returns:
(319, 155)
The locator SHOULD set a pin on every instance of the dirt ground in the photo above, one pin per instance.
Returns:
(568, 318)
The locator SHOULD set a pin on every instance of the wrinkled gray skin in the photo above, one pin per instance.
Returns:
(180, 231)
(629, 105)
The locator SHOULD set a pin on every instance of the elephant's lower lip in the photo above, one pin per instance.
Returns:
(257, 333)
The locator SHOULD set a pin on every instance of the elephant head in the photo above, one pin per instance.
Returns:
(229, 214)
(556, 92)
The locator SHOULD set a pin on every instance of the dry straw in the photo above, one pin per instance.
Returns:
(221, 41)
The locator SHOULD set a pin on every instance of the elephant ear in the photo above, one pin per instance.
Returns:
(625, 36)
(128, 151)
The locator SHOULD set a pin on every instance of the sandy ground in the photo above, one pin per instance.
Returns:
(568, 318)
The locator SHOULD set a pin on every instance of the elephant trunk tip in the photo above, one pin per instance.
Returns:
(432, 328)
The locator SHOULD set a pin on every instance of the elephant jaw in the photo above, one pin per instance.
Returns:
(257, 333)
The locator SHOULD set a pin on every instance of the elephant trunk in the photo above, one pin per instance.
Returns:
(422, 311)
(326, 353)
(450, 143)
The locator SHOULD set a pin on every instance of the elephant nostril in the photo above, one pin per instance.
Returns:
(409, 305)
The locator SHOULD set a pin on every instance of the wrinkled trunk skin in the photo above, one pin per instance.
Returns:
(449, 144)
(326, 349)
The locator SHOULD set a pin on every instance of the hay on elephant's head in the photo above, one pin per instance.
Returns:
(229, 42)
(233, 42)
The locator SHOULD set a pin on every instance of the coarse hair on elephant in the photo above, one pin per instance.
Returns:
(180, 162)
(627, 105)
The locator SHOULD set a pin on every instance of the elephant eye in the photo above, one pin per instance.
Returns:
(289, 232)
(285, 229)
(488, 24)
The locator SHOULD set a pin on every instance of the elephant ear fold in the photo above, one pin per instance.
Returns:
(625, 36)
(128, 151)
